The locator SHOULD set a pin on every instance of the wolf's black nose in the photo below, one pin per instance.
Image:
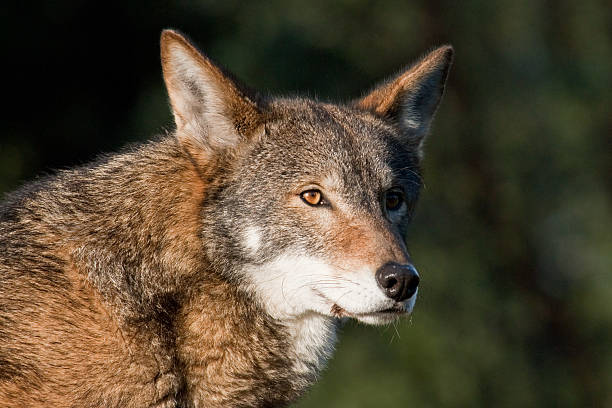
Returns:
(399, 282)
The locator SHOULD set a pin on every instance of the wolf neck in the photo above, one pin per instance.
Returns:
(313, 338)
(234, 353)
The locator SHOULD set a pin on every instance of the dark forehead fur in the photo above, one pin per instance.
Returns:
(321, 140)
(332, 126)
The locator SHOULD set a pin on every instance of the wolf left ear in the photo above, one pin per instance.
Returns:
(410, 100)
(211, 109)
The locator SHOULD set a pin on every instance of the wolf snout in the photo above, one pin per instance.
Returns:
(398, 282)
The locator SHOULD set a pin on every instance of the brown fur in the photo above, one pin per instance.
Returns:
(100, 336)
(359, 243)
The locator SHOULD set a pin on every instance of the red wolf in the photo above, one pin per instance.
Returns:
(210, 267)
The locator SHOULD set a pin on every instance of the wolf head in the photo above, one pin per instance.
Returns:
(307, 203)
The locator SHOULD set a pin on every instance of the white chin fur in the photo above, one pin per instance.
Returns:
(377, 319)
(386, 318)
(285, 285)
(291, 286)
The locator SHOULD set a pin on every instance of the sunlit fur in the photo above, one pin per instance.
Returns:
(188, 271)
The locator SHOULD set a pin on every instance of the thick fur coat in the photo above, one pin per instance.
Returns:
(209, 268)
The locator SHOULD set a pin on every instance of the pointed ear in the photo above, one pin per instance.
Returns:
(411, 99)
(211, 109)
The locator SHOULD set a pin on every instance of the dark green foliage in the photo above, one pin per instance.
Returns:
(512, 235)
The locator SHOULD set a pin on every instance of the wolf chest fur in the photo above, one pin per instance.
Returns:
(210, 267)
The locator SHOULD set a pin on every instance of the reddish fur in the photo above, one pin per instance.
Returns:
(109, 294)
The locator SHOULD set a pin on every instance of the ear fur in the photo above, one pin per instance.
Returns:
(210, 108)
(411, 98)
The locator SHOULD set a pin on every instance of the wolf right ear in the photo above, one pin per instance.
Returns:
(211, 110)
(411, 99)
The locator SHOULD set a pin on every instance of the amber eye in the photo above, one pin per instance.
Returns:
(393, 201)
(312, 197)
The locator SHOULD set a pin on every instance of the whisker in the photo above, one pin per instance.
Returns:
(396, 331)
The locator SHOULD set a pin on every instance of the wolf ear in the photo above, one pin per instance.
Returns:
(411, 99)
(211, 109)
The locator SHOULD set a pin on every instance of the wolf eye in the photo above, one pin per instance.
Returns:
(393, 201)
(312, 197)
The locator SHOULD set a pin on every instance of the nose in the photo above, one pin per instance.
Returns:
(398, 282)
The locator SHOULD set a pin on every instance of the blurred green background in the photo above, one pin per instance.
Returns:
(513, 236)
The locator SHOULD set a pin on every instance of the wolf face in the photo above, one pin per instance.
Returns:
(316, 207)
(311, 208)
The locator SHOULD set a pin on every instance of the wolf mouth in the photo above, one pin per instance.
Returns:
(339, 312)
(396, 311)
(391, 310)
